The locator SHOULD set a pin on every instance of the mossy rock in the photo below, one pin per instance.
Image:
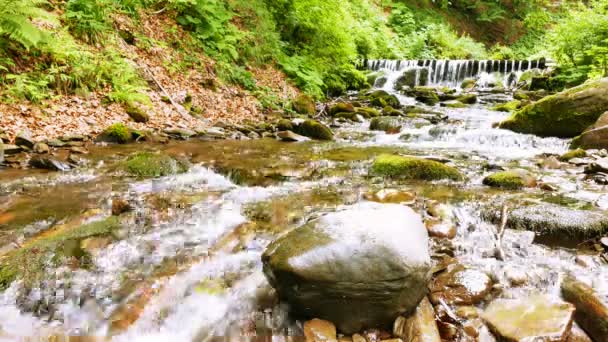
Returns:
(426, 95)
(352, 116)
(453, 104)
(578, 153)
(390, 111)
(468, 83)
(511, 180)
(116, 133)
(563, 115)
(510, 106)
(29, 262)
(381, 98)
(341, 107)
(521, 95)
(373, 76)
(367, 112)
(304, 104)
(284, 125)
(387, 124)
(468, 99)
(394, 166)
(315, 130)
(148, 164)
(137, 114)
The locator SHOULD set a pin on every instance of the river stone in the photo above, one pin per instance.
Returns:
(554, 223)
(595, 138)
(49, 163)
(460, 286)
(318, 330)
(291, 136)
(359, 267)
(597, 166)
(11, 149)
(536, 318)
(41, 148)
(412, 77)
(420, 326)
(179, 133)
(591, 310)
(24, 138)
(388, 124)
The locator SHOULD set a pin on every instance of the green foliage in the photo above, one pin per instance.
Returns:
(16, 22)
(89, 20)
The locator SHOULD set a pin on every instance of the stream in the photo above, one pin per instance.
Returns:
(186, 264)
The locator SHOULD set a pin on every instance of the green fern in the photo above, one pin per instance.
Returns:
(16, 21)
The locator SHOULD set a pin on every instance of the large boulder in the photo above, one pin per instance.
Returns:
(304, 104)
(554, 223)
(413, 168)
(565, 115)
(381, 98)
(314, 129)
(595, 136)
(359, 267)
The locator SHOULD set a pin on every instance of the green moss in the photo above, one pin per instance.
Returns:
(314, 129)
(578, 153)
(147, 164)
(137, 114)
(505, 180)
(350, 154)
(426, 95)
(390, 111)
(387, 124)
(304, 104)
(284, 125)
(29, 263)
(454, 104)
(381, 98)
(510, 106)
(347, 115)
(413, 168)
(341, 107)
(468, 98)
(118, 132)
(367, 112)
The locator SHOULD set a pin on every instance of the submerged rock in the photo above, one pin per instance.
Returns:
(554, 223)
(388, 124)
(460, 286)
(358, 268)
(413, 168)
(536, 318)
(420, 326)
(565, 115)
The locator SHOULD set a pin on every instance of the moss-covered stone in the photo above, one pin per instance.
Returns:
(352, 116)
(381, 98)
(468, 84)
(341, 107)
(367, 112)
(510, 106)
(453, 104)
(304, 104)
(512, 180)
(413, 168)
(284, 125)
(578, 153)
(468, 99)
(315, 130)
(387, 124)
(426, 95)
(116, 133)
(137, 114)
(29, 262)
(565, 115)
(148, 164)
(390, 111)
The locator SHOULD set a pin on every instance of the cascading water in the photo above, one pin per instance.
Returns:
(451, 73)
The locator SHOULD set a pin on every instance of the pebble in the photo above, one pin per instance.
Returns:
(318, 330)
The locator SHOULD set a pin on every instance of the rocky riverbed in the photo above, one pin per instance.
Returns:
(380, 216)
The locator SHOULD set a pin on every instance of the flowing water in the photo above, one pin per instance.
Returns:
(187, 264)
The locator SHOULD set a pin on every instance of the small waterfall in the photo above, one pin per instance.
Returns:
(451, 73)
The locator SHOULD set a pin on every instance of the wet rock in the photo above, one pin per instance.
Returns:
(468, 99)
(390, 111)
(358, 338)
(600, 165)
(420, 326)
(79, 150)
(507, 107)
(75, 160)
(537, 318)
(314, 130)
(117, 133)
(468, 84)
(551, 163)
(73, 137)
(467, 312)
(49, 163)
(426, 95)
(381, 99)
(554, 223)
(453, 104)
(604, 242)
(120, 206)
(355, 267)
(55, 143)
(341, 107)
(591, 312)
(95, 243)
(412, 77)
(9, 149)
(41, 148)
(460, 286)
(24, 138)
(564, 115)
(367, 112)
(291, 136)
(149, 164)
(390, 125)
(441, 229)
(137, 114)
(304, 104)
(318, 330)
(578, 335)
(179, 133)
(375, 335)
(516, 277)
(595, 138)
(512, 180)
(413, 168)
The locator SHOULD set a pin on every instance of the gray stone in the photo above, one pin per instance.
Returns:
(55, 143)
(41, 148)
(600, 165)
(291, 136)
(179, 133)
(24, 138)
(11, 149)
(359, 267)
(49, 163)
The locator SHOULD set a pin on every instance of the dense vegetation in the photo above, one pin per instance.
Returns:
(52, 48)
